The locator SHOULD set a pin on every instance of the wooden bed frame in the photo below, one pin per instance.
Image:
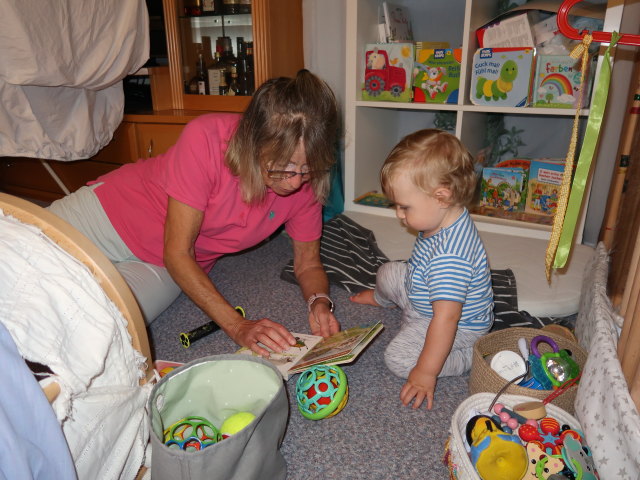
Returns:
(621, 236)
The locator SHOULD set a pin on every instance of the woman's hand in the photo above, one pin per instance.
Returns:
(251, 333)
(321, 319)
(419, 387)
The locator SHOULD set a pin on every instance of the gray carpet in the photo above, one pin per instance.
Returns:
(374, 437)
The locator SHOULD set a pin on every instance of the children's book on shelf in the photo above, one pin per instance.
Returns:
(503, 188)
(436, 74)
(394, 24)
(340, 348)
(513, 31)
(501, 77)
(557, 82)
(545, 179)
(388, 72)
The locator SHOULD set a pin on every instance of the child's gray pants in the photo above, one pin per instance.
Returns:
(403, 351)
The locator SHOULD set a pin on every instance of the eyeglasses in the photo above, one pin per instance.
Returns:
(287, 174)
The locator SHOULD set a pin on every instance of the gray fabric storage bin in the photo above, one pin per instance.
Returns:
(215, 388)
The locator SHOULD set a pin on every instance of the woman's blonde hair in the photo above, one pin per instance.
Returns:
(433, 158)
(282, 112)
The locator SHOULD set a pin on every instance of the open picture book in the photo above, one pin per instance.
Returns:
(341, 348)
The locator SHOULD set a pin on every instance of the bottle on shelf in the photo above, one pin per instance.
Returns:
(224, 86)
(248, 71)
(199, 83)
(212, 7)
(214, 73)
(193, 8)
(234, 86)
(231, 7)
(244, 6)
(241, 47)
(228, 59)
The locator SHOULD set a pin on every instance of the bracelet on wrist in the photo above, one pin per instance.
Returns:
(315, 297)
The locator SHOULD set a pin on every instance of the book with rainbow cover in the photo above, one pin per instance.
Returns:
(557, 82)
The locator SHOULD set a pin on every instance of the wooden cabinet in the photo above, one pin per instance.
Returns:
(155, 138)
(274, 27)
(138, 136)
(374, 127)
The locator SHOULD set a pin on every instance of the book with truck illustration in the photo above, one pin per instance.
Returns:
(388, 72)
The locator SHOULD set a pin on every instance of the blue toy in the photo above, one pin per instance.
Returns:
(551, 369)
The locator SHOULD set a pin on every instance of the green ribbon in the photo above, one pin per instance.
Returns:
(592, 132)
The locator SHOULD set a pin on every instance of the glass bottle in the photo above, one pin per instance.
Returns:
(199, 83)
(251, 86)
(244, 6)
(201, 76)
(234, 86)
(228, 59)
(193, 8)
(215, 71)
(224, 87)
(231, 7)
(242, 64)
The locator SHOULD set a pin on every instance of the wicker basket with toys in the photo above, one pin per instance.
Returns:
(527, 361)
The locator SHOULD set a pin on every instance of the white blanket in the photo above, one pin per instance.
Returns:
(603, 405)
(61, 68)
(59, 316)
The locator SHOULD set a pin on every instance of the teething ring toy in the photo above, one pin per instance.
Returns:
(191, 433)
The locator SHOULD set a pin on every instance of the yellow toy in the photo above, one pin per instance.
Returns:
(496, 455)
(235, 423)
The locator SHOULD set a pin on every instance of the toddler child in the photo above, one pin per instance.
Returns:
(444, 289)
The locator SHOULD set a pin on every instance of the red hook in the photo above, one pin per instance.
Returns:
(604, 37)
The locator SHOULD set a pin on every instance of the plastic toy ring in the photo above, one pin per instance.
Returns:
(544, 339)
(191, 433)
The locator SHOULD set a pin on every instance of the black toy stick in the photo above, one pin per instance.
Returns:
(203, 330)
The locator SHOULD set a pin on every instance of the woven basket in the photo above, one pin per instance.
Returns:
(456, 456)
(484, 379)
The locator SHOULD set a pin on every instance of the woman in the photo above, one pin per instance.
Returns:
(227, 184)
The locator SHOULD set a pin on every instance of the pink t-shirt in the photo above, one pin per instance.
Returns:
(193, 172)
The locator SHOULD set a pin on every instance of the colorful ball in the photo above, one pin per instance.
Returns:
(321, 391)
(235, 423)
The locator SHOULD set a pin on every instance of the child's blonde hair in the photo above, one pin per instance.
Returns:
(433, 158)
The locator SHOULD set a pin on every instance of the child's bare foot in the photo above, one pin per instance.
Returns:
(364, 297)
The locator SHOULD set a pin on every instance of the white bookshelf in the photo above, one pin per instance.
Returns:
(373, 128)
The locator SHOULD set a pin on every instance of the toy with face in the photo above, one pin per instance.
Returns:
(579, 460)
(541, 465)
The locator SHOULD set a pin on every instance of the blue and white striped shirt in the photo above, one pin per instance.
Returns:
(452, 265)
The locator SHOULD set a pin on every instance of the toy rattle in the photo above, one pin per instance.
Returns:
(321, 391)
(202, 331)
(551, 369)
(191, 434)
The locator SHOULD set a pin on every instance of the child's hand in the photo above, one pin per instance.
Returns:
(419, 386)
